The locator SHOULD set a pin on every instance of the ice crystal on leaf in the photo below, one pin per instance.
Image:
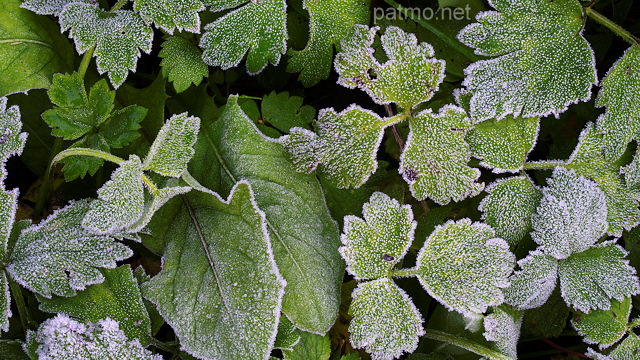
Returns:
(257, 27)
(374, 245)
(603, 327)
(503, 328)
(540, 61)
(409, 77)
(629, 349)
(532, 285)
(49, 7)
(117, 36)
(385, 321)
(464, 266)
(182, 63)
(11, 139)
(173, 147)
(170, 15)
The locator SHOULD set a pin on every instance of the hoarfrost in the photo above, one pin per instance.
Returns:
(173, 147)
(182, 63)
(170, 15)
(503, 328)
(532, 285)
(603, 327)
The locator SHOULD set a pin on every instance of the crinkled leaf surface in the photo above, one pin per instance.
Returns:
(58, 256)
(464, 266)
(621, 95)
(285, 112)
(509, 206)
(257, 29)
(170, 15)
(629, 349)
(374, 245)
(409, 77)
(540, 61)
(435, 157)
(219, 287)
(603, 327)
(532, 285)
(118, 37)
(329, 22)
(182, 63)
(385, 321)
(631, 172)
(503, 328)
(173, 147)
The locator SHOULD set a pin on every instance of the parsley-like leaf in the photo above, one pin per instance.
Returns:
(182, 63)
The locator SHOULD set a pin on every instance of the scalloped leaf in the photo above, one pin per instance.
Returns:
(540, 61)
(182, 63)
(170, 15)
(374, 245)
(385, 321)
(503, 328)
(435, 157)
(409, 77)
(257, 29)
(172, 149)
(117, 36)
(629, 349)
(532, 285)
(603, 327)
(464, 266)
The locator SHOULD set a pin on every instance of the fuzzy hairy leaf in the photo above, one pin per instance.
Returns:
(173, 147)
(532, 285)
(374, 245)
(464, 266)
(409, 77)
(329, 22)
(603, 327)
(257, 28)
(435, 157)
(154, 203)
(629, 349)
(117, 36)
(288, 336)
(12, 142)
(540, 61)
(385, 321)
(503, 328)
(48, 7)
(182, 63)
(170, 15)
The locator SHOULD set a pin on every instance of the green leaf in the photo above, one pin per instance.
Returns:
(182, 63)
(285, 112)
(503, 328)
(12, 141)
(509, 206)
(464, 266)
(409, 77)
(532, 285)
(48, 7)
(310, 347)
(117, 36)
(329, 22)
(79, 166)
(620, 94)
(170, 15)
(59, 257)
(603, 327)
(32, 49)
(288, 336)
(117, 298)
(385, 321)
(540, 61)
(435, 157)
(173, 147)
(219, 288)
(12, 350)
(374, 245)
(629, 349)
(257, 29)
(548, 320)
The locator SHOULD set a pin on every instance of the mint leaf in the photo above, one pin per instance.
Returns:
(603, 327)
(532, 285)
(170, 15)
(173, 147)
(182, 63)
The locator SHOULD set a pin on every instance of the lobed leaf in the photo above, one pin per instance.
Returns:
(532, 285)
(285, 112)
(629, 349)
(503, 328)
(603, 327)
(173, 147)
(182, 63)
(170, 15)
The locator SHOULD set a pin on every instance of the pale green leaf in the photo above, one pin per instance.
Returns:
(182, 63)
(288, 336)
(385, 321)
(631, 172)
(532, 285)
(503, 328)
(540, 61)
(257, 28)
(374, 245)
(629, 349)
(310, 347)
(603, 327)
(409, 77)
(435, 157)
(465, 267)
(173, 147)
(170, 15)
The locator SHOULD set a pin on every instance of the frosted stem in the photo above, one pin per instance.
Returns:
(617, 29)
(86, 152)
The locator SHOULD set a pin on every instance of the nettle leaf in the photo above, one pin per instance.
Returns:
(62, 338)
(532, 285)
(509, 206)
(409, 77)
(572, 215)
(48, 7)
(629, 349)
(590, 279)
(170, 15)
(374, 245)
(464, 266)
(540, 62)
(219, 287)
(182, 63)
(385, 321)
(603, 327)
(503, 328)
(58, 256)
(620, 94)
(172, 149)
(435, 157)
(285, 112)
(257, 29)
(329, 22)
(117, 36)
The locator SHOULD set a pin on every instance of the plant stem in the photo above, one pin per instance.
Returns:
(86, 60)
(394, 120)
(43, 195)
(160, 345)
(117, 6)
(465, 344)
(86, 152)
(609, 24)
(16, 294)
(563, 349)
(543, 165)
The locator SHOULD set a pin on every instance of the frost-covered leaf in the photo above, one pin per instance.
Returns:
(11, 141)
(509, 206)
(620, 94)
(48, 7)
(117, 36)
(409, 77)
(288, 336)
(435, 157)
(503, 328)
(590, 279)
(540, 61)
(572, 215)
(374, 245)
(385, 321)
(219, 287)
(173, 147)
(153, 203)
(58, 256)
(503, 145)
(548, 320)
(629, 349)
(170, 15)
(285, 112)
(603, 327)
(310, 347)
(532, 285)
(257, 28)
(63, 338)
(631, 172)
(182, 63)
(329, 22)
(464, 266)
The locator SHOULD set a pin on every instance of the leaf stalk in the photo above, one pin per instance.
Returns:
(465, 344)
(609, 24)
